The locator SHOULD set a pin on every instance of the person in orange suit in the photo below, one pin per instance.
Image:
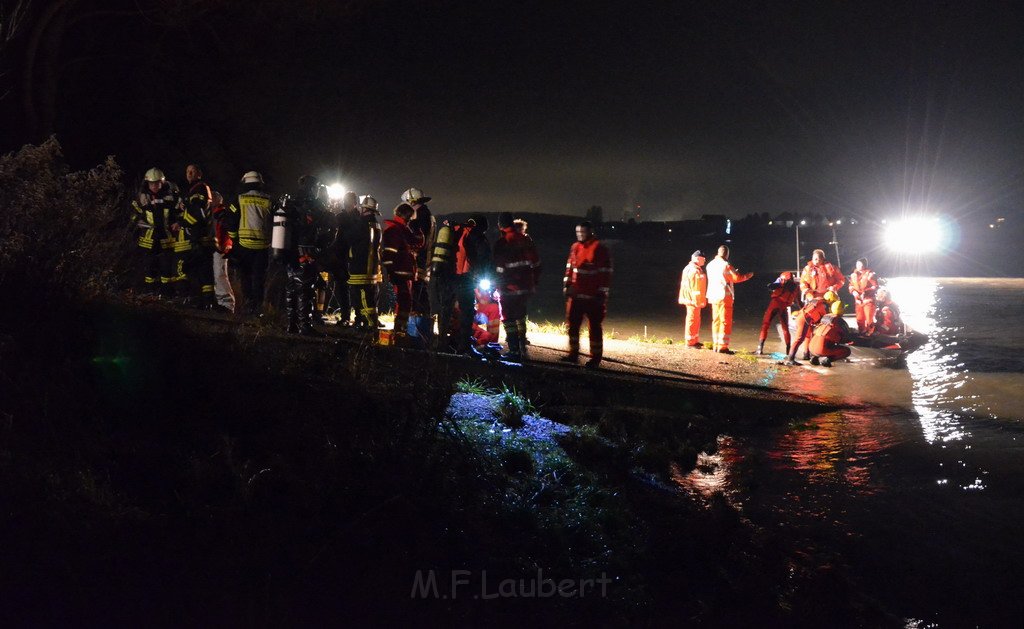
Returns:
(819, 277)
(784, 292)
(693, 290)
(887, 318)
(721, 294)
(487, 321)
(829, 338)
(806, 318)
(863, 286)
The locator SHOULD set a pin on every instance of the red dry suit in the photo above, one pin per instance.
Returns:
(828, 337)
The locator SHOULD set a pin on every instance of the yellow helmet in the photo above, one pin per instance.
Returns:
(830, 297)
(838, 308)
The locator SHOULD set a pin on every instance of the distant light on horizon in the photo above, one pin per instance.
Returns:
(916, 235)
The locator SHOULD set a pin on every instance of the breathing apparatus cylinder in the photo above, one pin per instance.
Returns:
(280, 236)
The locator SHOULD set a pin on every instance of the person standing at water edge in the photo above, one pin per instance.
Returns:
(784, 291)
(587, 282)
(517, 265)
(693, 290)
(721, 293)
(863, 286)
(398, 255)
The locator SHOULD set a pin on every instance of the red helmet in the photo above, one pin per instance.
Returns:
(786, 276)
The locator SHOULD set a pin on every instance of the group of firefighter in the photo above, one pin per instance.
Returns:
(819, 327)
(336, 251)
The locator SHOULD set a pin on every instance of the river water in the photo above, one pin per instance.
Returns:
(916, 493)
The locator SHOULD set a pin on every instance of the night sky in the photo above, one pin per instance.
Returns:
(684, 108)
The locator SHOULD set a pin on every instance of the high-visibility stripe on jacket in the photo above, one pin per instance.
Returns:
(154, 214)
(398, 248)
(693, 286)
(197, 214)
(816, 280)
(250, 219)
(516, 263)
(588, 271)
(363, 240)
(863, 285)
(443, 255)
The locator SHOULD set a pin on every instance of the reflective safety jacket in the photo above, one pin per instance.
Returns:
(784, 292)
(398, 249)
(154, 214)
(863, 285)
(832, 329)
(516, 263)
(442, 259)
(721, 277)
(363, 237)
(693, 287)
(816, 280)
(887, 319)
(197, 215)
(424, 224)
(250, 220)
(588, 271)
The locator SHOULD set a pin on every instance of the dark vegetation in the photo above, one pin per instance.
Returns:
(173, 468)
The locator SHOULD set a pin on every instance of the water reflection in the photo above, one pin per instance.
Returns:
(835, 448)
(934, 368)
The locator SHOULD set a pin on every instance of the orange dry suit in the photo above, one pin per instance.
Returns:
(828, 337)
(806, 318)
(693, 291)
(863, 286)
(784, 292)
(816, 280)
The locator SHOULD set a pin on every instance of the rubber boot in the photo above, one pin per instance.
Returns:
(513, 339)
(523, 343)
(760, 348)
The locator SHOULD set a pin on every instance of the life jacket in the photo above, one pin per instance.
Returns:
(815, 281)
(831, 329)
(813, 311)
(887, 319)
(864, 284)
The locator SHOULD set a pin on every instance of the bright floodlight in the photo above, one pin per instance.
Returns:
(485, 285)
(916, 236)
(335, 191)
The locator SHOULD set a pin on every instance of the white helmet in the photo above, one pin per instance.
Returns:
(412, 196)
(155, 175)
(369, 203)
(252, 177)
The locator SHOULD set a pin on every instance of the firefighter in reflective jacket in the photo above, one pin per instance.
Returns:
(721, 294)
(693, 293)
(517, 267)
(248, 223)
(863, 286)
(887, 317)
(829, 338)
(443, 286)
(423, 224)
(154, 212)
(363, 257)
(784, 291)
(398, 255)
(309, 221)
(197, 217)
(805, 319)
(586, 285)
(819, 277)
